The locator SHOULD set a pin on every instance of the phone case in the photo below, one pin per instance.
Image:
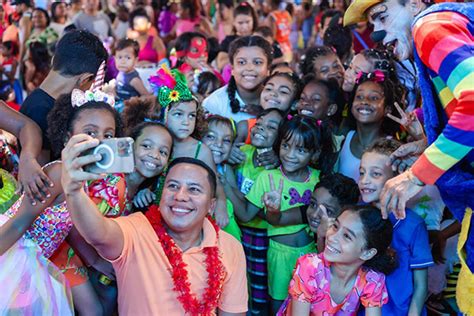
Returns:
(117, 156)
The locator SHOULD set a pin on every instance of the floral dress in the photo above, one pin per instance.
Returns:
(311, 284)
(30, 283)
(110, 195)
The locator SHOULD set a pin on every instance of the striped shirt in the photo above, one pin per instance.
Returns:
(444, 42)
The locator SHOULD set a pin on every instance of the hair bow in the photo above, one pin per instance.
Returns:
(295, 197)
(375, 76)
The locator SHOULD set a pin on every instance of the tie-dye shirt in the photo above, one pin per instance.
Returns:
(445, 44)
(311, 283)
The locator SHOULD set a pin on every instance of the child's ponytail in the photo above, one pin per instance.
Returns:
(378, 233)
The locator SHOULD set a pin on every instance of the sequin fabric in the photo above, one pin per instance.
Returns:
(49, 229)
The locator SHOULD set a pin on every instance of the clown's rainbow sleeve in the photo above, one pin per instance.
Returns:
(445, 45)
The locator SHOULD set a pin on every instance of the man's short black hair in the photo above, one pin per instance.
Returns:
(211, 175)
(77, 53)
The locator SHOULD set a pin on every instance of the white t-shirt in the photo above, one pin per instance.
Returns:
(218, 103)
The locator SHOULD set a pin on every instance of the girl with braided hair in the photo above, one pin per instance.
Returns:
(251, 57)
(323, 63)
(369, 60)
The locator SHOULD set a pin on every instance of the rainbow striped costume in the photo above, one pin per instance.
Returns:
(444, 55)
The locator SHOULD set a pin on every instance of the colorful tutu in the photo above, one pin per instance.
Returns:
(30, 283)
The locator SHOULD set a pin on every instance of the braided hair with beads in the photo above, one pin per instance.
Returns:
(246, 41)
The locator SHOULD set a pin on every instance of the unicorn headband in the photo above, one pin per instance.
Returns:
(79, 97)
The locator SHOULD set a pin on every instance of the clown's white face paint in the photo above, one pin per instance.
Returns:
(395, 19)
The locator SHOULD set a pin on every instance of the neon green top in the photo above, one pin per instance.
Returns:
(246, 174)
(294, 194)
(232, 228)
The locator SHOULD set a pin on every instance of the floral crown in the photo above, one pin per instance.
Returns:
(170, 86)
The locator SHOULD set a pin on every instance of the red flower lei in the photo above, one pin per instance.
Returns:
(179, 274)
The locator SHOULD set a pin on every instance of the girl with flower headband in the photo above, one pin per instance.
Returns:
(182, 115)
(374, 97)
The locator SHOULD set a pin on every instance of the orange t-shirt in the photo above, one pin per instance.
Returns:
(143, 271)
(283, 27)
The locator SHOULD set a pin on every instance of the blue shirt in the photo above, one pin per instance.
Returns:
(410, 241)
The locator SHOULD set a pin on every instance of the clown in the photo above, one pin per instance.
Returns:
(441, 42)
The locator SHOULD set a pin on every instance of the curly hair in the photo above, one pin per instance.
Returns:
(340, 38)
(77, 53)
(63, 115)
(378, 233)
(140, 109)
(310, 56)
(391, 96)
(343, 188)
(246, 41)
(385, 61)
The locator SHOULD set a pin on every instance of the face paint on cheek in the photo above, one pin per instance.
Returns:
(198, 48)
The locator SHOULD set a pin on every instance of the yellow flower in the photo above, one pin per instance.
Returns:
(174, 96)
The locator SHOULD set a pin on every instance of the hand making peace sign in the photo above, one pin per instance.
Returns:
(272, 198)
(409, 121)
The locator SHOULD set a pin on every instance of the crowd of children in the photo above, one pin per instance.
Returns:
(301, 134)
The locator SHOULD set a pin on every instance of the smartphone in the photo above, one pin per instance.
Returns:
(117, 156)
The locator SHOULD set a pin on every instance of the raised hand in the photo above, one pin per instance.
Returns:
(272, 198)
(409, 121)
(33, 181)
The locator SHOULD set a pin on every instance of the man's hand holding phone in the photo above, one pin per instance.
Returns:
(83, 160)
(116, 156)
